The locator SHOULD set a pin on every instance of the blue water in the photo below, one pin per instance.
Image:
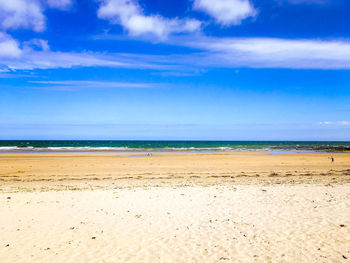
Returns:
(168, 146)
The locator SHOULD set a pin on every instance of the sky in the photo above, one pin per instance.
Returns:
(175, 70)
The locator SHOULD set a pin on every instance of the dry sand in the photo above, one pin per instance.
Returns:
(178, 207)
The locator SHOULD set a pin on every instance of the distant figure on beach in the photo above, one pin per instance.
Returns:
(332, 159)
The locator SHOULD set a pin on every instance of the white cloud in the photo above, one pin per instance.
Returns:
(8, 47)
(272, 53)
(130, 15)
(335, 123)
(22, 14)
(226, 12)
(27, 14)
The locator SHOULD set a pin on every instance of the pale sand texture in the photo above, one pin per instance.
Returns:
(179, 207)
(276, 223)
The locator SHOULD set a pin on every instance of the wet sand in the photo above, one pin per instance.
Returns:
(174, 207)
(71, 171)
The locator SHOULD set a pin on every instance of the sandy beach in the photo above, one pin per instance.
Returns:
(174, 207)
(193, 131)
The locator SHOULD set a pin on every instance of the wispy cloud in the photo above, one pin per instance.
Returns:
(37, 44)
(129, 14)
(204, 53)
(335, 123)
(271, 53)
(226, 12)
(84, 84)
(29, 59)
(60, 4)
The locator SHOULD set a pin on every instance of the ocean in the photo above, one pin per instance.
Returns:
(22, 146)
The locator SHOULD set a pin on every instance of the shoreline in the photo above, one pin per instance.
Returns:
(145, 151)
(171, 146)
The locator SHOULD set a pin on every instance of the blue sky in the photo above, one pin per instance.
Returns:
(195, 69)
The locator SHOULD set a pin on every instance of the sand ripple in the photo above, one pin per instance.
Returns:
(251, 223)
